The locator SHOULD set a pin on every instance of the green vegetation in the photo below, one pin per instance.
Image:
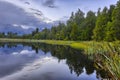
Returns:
(81, 32)
(112, 64)
(90, 47)
(86, 45)
(110, 60)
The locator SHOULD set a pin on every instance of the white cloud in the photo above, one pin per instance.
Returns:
(26, 27)
(65, 7)
(31, 69)
(24, 52)
(33, 8)
(23, 26)
(15, 19)
(15, 25)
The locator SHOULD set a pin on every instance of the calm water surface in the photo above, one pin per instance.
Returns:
(37, 61)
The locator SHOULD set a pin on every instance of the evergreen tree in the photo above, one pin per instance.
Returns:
(101, 23)
(89, 26)
(116, 22)
(104, 26)
(113, 27)
(74, 32)
(109, 29)
(79, 17)
(69, 26)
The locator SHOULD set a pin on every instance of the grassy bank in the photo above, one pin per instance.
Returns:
(54, 42)
(74, 44)
(90, 47)
(86, 45)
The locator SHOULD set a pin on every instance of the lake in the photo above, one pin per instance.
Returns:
(36, 61)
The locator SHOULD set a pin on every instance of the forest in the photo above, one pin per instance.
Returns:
(101, 26)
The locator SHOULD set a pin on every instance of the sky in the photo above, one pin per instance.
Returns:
(59, 9)
(23, 16)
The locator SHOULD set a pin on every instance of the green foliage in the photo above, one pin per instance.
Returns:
(101, 24)
(116, 21)
(2, 35)
(110, 60)
(74, 32)
(110, 33)
(35, 32)
(11, 35)
(90, 20)
(113, 27)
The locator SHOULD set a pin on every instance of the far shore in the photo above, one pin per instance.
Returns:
(89, 46)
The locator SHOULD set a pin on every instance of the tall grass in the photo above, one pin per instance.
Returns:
(112, 64)
(110, 60)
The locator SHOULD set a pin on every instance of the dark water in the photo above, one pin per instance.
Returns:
(37, 61)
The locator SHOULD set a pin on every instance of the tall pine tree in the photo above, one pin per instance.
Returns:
(101, 23)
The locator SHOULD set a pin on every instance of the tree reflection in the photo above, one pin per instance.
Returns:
(75, 59)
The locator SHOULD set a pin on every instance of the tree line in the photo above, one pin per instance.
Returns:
(8, 35)
(104, 25)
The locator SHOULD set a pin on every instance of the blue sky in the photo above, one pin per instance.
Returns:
(58, 9)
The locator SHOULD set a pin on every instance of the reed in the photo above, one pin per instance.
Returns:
(110, 60)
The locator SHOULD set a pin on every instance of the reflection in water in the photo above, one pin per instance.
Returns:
(37, 61)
